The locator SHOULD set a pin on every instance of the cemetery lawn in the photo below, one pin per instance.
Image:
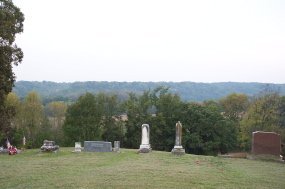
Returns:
(32, 169)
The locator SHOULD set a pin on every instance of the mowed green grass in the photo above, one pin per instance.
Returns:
(32, 169)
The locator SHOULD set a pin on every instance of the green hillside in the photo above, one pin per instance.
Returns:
(128, 169)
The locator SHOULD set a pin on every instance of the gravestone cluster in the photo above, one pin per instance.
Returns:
(263, 143)
(145, 146)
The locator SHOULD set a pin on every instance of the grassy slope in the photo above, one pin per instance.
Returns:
(127, 169)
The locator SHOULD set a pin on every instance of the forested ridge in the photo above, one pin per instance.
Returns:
(188, 91)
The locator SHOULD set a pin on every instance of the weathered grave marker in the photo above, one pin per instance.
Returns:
(97, 146)
(116, 146)
(178, 149)
(266, 143)
(77, 147)
(145, 146)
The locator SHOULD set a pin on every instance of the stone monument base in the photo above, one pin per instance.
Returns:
(178, 150)
(144, 148)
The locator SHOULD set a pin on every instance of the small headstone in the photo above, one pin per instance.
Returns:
(97, 146)
(77, 147)
(116, 146)
(3, 150)
(24, 143)
(178, 149)
(145, 146)
(266, 143)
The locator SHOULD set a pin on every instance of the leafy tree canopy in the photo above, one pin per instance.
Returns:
(11, 23)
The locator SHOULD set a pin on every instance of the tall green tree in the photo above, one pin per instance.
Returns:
(206, 131)
(281, 111)
(158, 108)
(55, 112)
(94, 117)
(234, 106)
(137, 109)
(168, 111)
(262, 115)
(84, 120)
(11, 23)
(113, 126)
(13, 108)
(13, 105)
(34, 124)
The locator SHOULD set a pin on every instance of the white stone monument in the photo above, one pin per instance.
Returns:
(178, 149)
(24, 141)
(78, 147)
(116, 146)
(145, 146)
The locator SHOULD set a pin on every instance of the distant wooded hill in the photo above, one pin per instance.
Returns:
(188, 91)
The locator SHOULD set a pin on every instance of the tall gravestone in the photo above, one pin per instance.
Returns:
(145, 146)
(178, 149)
(266, 143)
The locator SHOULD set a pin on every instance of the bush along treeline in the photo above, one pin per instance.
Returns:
(209, 127)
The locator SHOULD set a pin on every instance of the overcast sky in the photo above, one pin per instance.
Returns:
(153, 40)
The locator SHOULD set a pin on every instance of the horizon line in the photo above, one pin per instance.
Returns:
(148, 81)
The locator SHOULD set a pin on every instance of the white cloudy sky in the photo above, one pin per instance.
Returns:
(153, 40)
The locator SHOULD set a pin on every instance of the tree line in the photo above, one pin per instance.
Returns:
(188, 91)
(209, 127)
